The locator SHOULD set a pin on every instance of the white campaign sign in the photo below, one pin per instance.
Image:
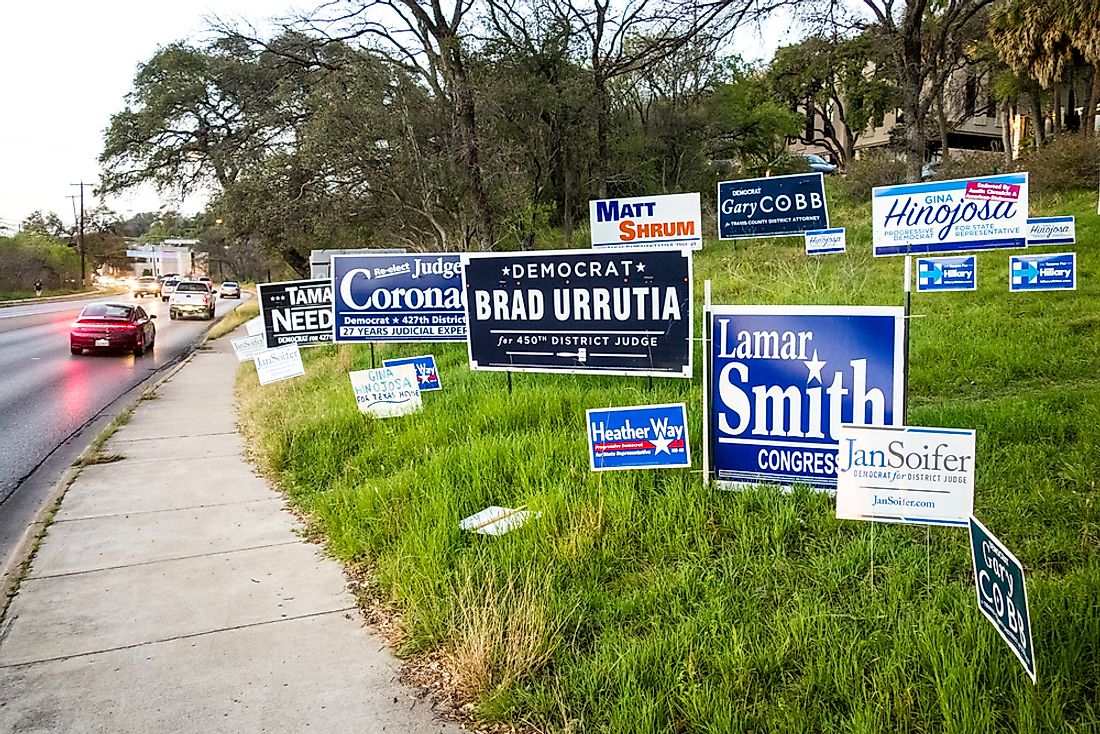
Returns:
(254, 326)
(905, 474)
(282, 363)
(247, 347)
(669, 220)
(386, 391)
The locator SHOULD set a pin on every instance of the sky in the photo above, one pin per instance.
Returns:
(65, 68)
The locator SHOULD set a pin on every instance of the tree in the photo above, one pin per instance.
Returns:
(747, 126)
(48, 224)
(844, 86)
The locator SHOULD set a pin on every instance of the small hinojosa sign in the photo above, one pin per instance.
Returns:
(1052, 231)
(296, 312)
(387, 391)
(905, 474)
(669, 220)
(778, 206)
(397, 298)
(951, 216)
(621, 312)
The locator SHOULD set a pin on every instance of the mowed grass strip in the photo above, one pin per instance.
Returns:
(641, 602)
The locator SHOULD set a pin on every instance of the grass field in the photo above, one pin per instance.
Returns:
(642, 602)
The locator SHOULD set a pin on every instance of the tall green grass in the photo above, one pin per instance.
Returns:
(642, 602)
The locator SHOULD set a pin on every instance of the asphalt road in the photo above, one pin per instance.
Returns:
(49, 399)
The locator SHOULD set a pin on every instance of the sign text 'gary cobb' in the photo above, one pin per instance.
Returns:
(638, 437)
(398, 298)
(905, 474)
(785, 378)
(670, 220)
(775, 206)
(951, 216)
(296, 312)
(626, 312)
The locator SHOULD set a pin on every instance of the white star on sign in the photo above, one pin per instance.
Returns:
(662, 446)
(640, 267)
(504, 271)
(814, 366)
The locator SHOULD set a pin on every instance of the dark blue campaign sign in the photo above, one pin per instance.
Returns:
(947, 273)
(785, 378)
(771, 207)
(1051, 272)
(1002, 595)
(398, 298)
(427, 376)
(638, 437)
(620, 312)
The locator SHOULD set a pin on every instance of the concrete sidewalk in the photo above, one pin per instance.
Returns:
(172, 594)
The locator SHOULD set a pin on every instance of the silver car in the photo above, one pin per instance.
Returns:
(230, 289)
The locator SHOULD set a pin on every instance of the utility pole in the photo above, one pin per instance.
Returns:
(81, 185)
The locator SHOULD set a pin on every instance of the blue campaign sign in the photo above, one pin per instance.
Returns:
(638, 437)
(1052, 272)
(1051, 231)
(960, 215)
(825, 241)
(783, 381)
(778, 206)
(936, 274)
(412, 297)
(1002, 595)
(427, 376)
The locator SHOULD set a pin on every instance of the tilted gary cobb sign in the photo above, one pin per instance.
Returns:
(625, 312)
(398, 298)
(672, 220)
(951, 216)
(296, 312)
(784, 379)
(772, 207)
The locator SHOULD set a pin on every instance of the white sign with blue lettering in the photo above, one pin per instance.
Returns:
(427, 376)
(1052, 272)
(936, 274)
(638, 437)
(386, 391)
(922, 476)
(1051, 231)
(669, 220)
(951, 216)
(784, 379)
(825, 241)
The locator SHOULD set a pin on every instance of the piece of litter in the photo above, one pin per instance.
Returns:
(496, 520)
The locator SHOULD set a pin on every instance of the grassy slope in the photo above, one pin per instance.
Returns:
(642, 602)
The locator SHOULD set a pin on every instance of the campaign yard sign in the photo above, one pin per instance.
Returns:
(937, 274)
(247, 347)
(296, 312)
(622, 312)
(427, 376)
(280, 363)
(670, 220)
(387, 391)
(397, 298)
(960, 215)
(922, 476)
(1051, 230)
(783, 381)
(777, 206)
(825, 241)
(1051, 272)
(638, 437)
(1002, 594)
(254, 326)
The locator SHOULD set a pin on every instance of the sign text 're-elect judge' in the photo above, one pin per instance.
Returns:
(626, 312)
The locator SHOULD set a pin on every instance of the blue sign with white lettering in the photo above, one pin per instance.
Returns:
(778, 206)
(1051, 230)
(638, 437)
(785, 378)
(1052, 272)
(427, 376)
(411, 297)
(935, 274)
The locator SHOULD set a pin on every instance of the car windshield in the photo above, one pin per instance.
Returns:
(814, 158)
(106, 311)
(191, 287)
(171, 282)
(229, 284)
(147, 280)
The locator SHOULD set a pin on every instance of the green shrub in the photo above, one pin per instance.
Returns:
(874, 168)
(1067, 163)
(971, 164)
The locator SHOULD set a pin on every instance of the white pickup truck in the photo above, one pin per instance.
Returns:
(191, 297)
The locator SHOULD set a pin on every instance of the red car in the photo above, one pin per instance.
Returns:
(113, 326)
